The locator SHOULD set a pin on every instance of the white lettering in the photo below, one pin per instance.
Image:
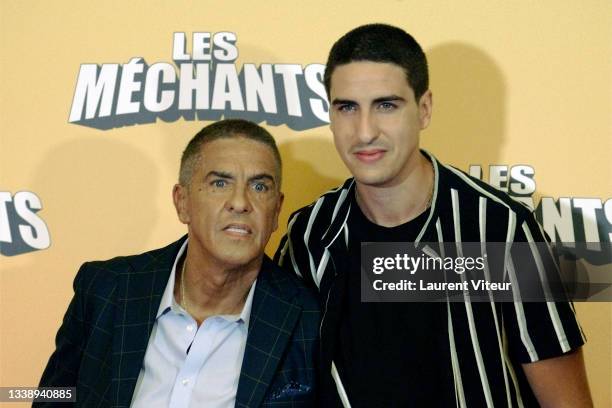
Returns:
(225, 41)
(227, 78)
(589, 219)
(5, 228)
(559, 221)
(93, 91)
(25, 202)
(152, 87)
(522, 184)
(608, 212)
(376, 268)
(189, 83)
(522, 180)
(259, 87)
(128, 86)
(292, 94)
(476, 171)
(498, 177)
(179, 46)
(201, 47)
(313, 74)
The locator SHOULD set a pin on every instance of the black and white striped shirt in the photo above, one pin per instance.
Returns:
(487, 342)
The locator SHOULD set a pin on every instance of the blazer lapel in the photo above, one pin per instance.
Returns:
(274, 315)
(140, 288)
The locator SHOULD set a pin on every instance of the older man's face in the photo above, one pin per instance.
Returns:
(233, 201)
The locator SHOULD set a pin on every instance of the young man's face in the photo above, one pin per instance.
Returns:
(376, 121)
(233, 201)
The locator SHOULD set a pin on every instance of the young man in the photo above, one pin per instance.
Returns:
(414, 354)
(208, 320)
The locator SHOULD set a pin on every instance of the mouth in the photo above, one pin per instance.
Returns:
(369, 155)
(238, 230)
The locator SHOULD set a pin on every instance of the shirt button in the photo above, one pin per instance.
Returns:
(185, 381)
(190, 328)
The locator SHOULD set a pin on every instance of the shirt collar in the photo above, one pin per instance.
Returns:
(168, 302)
(167, 299)
(245, 315)
(343, 207)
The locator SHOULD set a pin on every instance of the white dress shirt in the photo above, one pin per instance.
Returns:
(186, 366)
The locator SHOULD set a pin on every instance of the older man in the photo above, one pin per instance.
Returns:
(208, 320)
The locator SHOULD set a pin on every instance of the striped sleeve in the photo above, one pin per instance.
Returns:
(542, 329)
(291, 252)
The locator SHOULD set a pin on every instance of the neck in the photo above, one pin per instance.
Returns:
(205, 290)
(397, 204)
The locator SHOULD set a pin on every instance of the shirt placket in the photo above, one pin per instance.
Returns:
(188, 371)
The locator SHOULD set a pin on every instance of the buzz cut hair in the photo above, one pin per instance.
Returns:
(380, 43)
(225, 129)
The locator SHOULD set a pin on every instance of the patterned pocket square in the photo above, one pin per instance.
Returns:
(290, 389)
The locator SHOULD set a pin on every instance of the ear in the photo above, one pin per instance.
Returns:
(331, 122)
(331, 113)
(279, 206)
(180, 195)
(425, 109)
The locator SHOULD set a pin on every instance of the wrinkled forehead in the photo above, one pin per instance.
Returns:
(239, 154)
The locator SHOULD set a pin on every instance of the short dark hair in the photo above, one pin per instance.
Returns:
(225, 129)
(381, 43)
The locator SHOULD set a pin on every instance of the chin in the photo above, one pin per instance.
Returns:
(374, 175)
(239, 258)
(371, 180)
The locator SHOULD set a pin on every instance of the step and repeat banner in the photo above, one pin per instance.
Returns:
(99, 99)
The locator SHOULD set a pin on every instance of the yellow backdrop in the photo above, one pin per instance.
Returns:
(514, 83)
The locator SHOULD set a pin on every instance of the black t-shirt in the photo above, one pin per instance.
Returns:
(390, 354)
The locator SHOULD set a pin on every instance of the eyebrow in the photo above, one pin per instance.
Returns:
(387, 98)
(221, 174)
(225, 175)
(342, 101)
(262, 176)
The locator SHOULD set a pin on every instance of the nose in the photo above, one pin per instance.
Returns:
(238, 201)
(367, 130)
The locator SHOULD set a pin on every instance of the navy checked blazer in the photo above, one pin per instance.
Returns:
(101, 344)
